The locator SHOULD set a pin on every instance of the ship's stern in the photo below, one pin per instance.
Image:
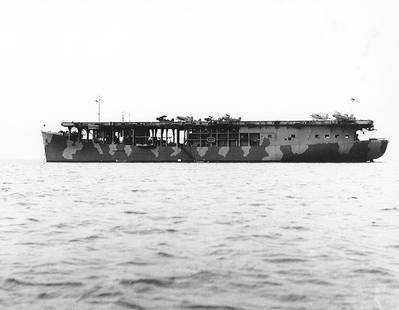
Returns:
(54, 144)
(376, 148)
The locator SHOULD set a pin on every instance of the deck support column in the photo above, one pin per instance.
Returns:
(174, 136)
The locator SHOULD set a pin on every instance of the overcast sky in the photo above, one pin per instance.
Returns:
(261, 60)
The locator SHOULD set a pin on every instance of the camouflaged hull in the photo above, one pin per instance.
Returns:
(58, 148)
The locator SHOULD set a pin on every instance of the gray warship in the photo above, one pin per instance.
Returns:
(225, 139)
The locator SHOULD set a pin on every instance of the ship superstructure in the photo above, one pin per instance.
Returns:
(222, 140)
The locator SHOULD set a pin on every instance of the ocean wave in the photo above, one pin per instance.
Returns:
(210, 307)
(201, 236)
(13, 281)
(129, 305)
(148, 281)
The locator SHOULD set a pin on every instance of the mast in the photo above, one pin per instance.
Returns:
(98, 100)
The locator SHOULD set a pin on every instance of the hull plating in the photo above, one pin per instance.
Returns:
(59, 149)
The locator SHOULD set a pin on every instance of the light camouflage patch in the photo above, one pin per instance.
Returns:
(112, 149)
(47, 137)
(223, 150)
(202, 151)
(128, 150)
(274, 152)
(155, 152)
(246, 150)
(71, 149)
(176, 151)
(98, 148)
(299, 149)
(264, 139)
(345, 147)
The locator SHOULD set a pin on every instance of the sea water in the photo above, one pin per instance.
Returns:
(199, 236)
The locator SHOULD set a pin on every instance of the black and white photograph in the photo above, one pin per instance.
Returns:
(200, 155)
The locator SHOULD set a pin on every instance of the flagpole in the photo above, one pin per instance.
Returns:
(353, 100)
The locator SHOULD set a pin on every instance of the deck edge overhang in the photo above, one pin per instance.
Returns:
(357, 124)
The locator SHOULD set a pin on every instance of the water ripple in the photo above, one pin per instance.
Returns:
(129, 305)
(13, 281)
(199, 236)
(148, 281)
